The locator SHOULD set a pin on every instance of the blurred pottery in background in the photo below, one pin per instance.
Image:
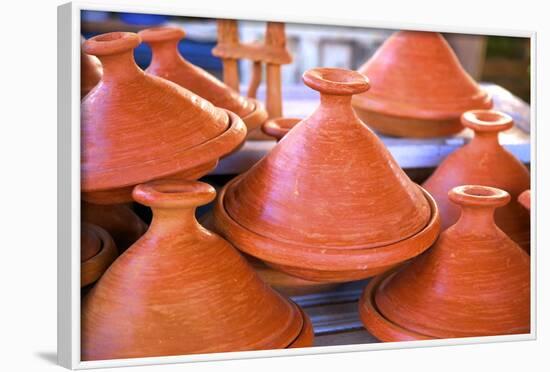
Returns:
(328, 203)
(525, 199)
(419, 89)
(181, 289)
(484, 162)
(168, 63)
(474, 281)
(97, 252)
(132, 111)
(279, 127)
(122, 223)
(90, 71)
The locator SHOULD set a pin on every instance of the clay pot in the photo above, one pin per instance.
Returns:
(97, 252)
(525, 199)
(474, 281)
(119, 220)
(328, 203)
(137, 127)
(168, 63)
(181, 289)
(485, 162)
(90, 72)
(419, 88)
(279, 127)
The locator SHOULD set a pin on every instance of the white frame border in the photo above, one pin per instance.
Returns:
(68, 322)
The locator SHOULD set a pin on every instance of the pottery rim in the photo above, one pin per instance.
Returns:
(324, 259)
(257, 116)
(280, 126)
(92, 269)
(486, 120)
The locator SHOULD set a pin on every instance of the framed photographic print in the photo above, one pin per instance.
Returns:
(237, 187)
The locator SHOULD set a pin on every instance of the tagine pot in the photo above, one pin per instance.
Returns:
(483, 161)
(137, 127)
(328, 203)
(419, 89)
(474, 281)
(182, 289)
(90, 72)
(525, 199)
(279, 127)
(97, 252)
(168, 63)
(122, 223)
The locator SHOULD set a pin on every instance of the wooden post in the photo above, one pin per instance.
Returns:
(227, 35)
(255, 80)
(274, 36)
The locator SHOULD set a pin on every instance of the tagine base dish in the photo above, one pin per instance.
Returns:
(324, 264)
(409, 127)
(94, 267)
(204, 161)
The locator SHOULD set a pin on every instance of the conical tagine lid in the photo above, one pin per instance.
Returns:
(182, 289)
(168, 63)
(138, 127)
(416, 75)
(483, 161)
(330, 183)
(474, 281)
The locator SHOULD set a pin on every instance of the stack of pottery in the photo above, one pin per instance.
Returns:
(97, 252)
(181, 289)
(419, 88)
(474, 281)
(485, 162)
(169, 64)
(328, 203)
(137, 127)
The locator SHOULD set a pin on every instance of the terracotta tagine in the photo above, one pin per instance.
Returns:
(525, 199)
(284, 283)
(118, 219)
(182, 289)
(168, 63)
(90, 72)
(419, 88)
(474, 281)
(137, 127)
(97, 252)
(328, 203)
(485, 162)
(279, 127)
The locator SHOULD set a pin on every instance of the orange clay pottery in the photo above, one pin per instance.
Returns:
(485, 162)
(182, 289)
(97, 252)
(279, 127)
(474, 281)
(525, 199)
(419, 88)
(168, 63)
(118, 219)
(284, 283)
(328, 203)
(90, 72)
(137, 127)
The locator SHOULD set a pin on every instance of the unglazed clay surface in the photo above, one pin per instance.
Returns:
(485, 162)
(169, 64)
(182, 289)
(329, 187)
(97, 252)
(474, 281)
(419, 88)
(130, 111)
